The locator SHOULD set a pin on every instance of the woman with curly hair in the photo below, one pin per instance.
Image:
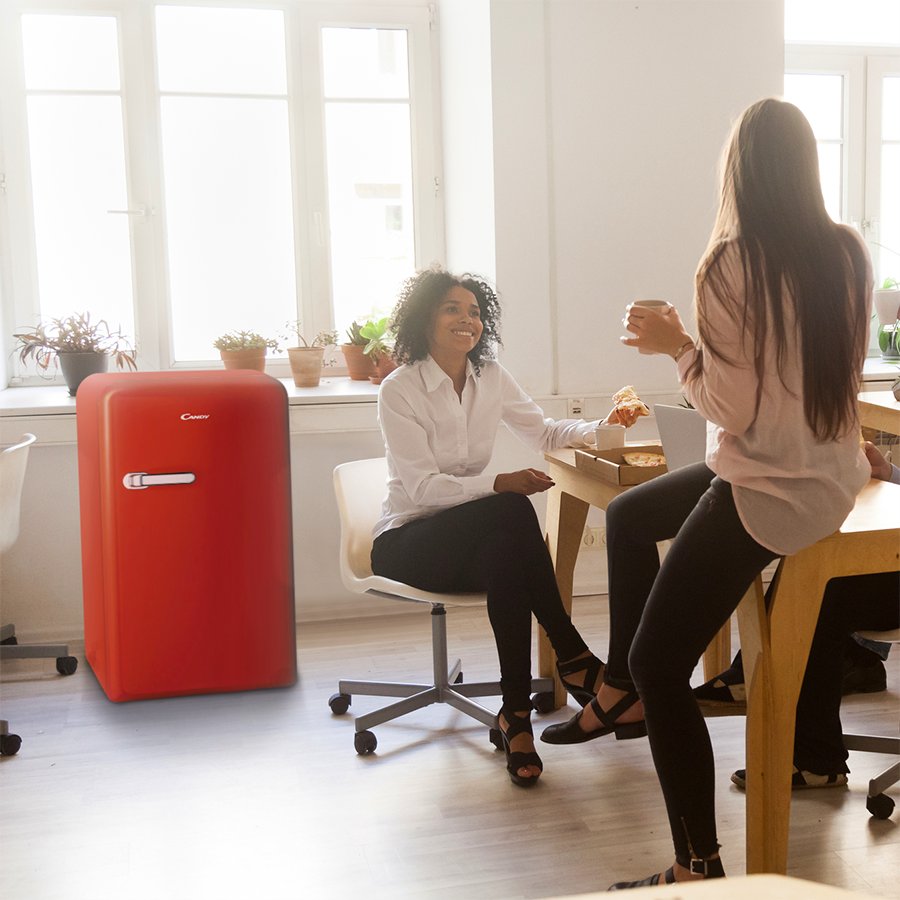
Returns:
(448, 527)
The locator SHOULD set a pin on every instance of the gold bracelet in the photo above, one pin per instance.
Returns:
(681, 349)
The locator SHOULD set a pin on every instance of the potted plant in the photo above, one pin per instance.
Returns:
(379, 348)
(244, 350)
(886, 301)
(306, 361)
(77, 345)
(359, 366)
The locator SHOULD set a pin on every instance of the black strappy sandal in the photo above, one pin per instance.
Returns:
(586, 692)
(516, 759)
(708, 868)
(571, 732)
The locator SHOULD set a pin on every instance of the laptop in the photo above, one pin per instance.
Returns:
(682, 433)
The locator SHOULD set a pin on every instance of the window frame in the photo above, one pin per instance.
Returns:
(143, 150)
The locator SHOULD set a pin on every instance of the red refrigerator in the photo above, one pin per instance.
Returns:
(187, 566)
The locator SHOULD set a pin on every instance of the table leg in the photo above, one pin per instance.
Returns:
(566, 517)
(717, 657)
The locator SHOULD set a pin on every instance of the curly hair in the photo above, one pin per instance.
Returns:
(421, 294)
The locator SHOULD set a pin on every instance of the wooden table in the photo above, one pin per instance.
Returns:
(879, 409)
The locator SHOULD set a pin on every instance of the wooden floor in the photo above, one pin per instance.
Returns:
(260, 795)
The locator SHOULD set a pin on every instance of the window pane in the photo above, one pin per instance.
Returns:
(77, 154)
(890, 120)
(820, 97)
(221, 51)
(370, 205)
(830, 175)
(842, 21)
(889, 231)
(365, 63)
(75, 53)
(229, 219)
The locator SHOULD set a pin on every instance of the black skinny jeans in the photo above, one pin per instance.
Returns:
(663, 617)
(493, 544)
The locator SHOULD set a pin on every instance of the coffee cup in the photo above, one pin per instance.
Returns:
(609, 437)
(659, 306)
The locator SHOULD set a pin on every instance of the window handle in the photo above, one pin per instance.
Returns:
(140, 211)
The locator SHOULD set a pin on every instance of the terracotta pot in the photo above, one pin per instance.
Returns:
(360, 366)
(384, 365)
(253, 358)
(306, 365)
(77, 366)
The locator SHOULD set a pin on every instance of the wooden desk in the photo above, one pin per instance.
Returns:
(879, 409)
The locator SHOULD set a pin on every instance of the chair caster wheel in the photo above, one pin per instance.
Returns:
(881, 806)
(364, 742)
(9, 744)
(544, 702)
(66, 665)
(496, 738)
(458, 679)
(339, 703)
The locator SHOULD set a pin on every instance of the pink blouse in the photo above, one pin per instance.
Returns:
(790, 490)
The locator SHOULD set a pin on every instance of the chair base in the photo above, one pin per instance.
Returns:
(447, 688)
(10, 648)
(881, 807)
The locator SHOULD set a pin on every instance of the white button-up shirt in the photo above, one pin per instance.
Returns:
(438, 444)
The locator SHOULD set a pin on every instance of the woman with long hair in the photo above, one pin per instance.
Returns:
(448, 527)
(782, 303)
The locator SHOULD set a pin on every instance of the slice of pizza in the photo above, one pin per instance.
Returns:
(627, 398)
(644, 460)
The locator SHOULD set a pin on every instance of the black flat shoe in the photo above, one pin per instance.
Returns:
(708, 868)
(571, 732)
(516, 759)
(593, 678)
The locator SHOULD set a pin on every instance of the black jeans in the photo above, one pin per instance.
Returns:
(663, 617)
(493, 544)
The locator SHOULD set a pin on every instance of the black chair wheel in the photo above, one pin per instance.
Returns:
(12, 641)
(9, 744)
(881, 806)
(66, 665)
(339, 703)
(496, 738)
(364, 742)
(458, 679)
(544, 702)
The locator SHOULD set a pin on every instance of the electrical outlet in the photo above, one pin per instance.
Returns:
(594, 538)
(575, 409)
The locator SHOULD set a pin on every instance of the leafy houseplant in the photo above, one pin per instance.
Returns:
(306, 361)
(77, 345)
(886, 301)
(244, 350)
(379, 348)
(359, 366)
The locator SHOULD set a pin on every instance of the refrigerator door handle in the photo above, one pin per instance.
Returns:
(137, 481)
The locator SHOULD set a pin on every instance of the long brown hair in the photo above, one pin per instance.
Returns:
(792, 253)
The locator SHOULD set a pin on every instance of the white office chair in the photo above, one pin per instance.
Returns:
(360, 488)
(12, 476)
(877, 802)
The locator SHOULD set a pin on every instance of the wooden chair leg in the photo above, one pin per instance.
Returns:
(717, 656)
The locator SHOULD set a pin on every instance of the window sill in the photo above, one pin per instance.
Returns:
(336, 405)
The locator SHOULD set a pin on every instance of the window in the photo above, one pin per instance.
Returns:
(184, 170)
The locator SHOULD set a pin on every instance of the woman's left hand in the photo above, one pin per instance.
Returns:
(658, 332)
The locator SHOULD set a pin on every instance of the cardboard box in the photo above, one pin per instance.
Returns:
(609, 465)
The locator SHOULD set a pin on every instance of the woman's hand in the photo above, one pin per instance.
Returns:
(626, 417)
(525, 481)
(881, 468)
(659, 332)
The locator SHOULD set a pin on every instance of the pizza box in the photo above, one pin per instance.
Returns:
(609, 465)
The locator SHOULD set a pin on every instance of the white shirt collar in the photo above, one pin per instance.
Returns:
(433, 375)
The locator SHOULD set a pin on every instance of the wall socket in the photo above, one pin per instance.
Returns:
(594, 538)
(575, 409)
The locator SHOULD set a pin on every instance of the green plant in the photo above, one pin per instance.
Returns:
(322, 339)
(74, 334)
(375, 331)
(354, 335)
(889, 339)
(244, 340)
(890, 283)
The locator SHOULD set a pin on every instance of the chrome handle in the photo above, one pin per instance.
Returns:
(137, 481)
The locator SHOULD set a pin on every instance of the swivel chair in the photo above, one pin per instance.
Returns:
(877, 802)
(12, 476)
(360, 488)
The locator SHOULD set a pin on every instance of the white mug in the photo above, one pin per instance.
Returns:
(609, 437)
(658, 305)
